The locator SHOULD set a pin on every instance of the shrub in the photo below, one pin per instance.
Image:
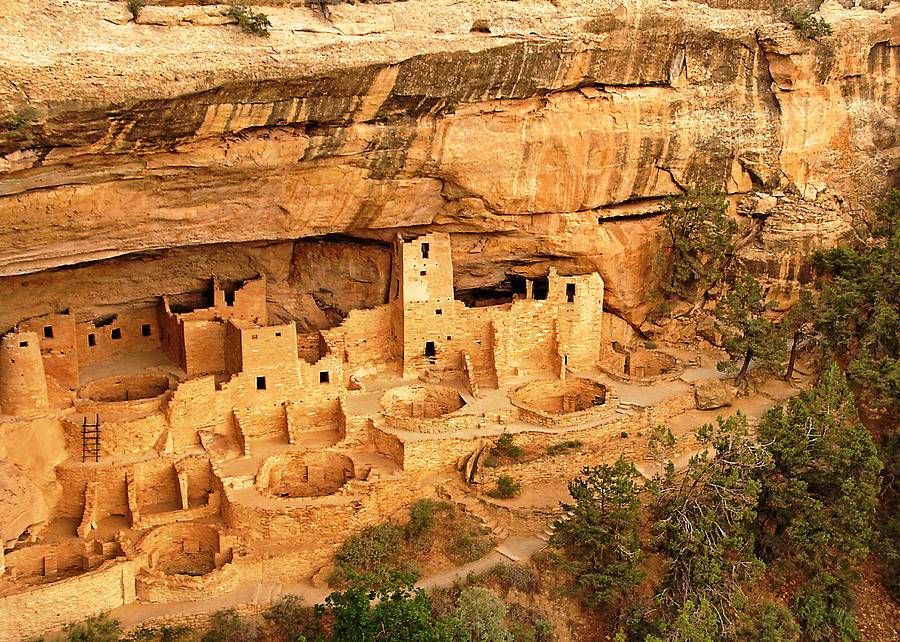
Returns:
(163, 633)
(469, 542)
(421, 518)
(528, 625)
(135, 6)
(371, 558)
(227, 626)
(650, 345)
(518, 578)
(810, 26)
(563, 446)
(97, 628)
(478, 617)
(507, 448)
(17, 126)
(507, 487)
(288, 620)
(249, 21)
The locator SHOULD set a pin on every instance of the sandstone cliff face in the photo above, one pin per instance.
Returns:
(546, 141)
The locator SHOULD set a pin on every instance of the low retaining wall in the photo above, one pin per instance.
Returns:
(39, 610)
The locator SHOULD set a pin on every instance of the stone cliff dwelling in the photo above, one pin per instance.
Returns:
(203, 445)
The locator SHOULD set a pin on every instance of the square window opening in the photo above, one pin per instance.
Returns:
(48, 331)
(277, 334)
(439, 311)
(260, 383)
(422, 273)
(23, 344)
(145, 330)
(92, 340)
(323, 376)
(116, 333)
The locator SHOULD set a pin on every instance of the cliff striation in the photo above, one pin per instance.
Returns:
(538, 134)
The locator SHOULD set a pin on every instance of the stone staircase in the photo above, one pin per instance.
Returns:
(476, 509)
(629, 408)
(268, 592)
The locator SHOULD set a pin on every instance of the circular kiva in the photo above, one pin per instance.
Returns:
(424, 408)
(129, 388)
(184, 549)
(304, 474)
(649, 363)
(427, 402)
(560, 397)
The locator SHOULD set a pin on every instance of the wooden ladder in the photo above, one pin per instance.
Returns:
(90, 439)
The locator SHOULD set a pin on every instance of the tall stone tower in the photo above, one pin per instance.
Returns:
(424, 307)
(23, 384)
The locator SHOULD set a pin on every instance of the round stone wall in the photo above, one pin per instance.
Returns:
(304, 474)
(131, 388)
(424, 402)
(549, 401)
(650, 363)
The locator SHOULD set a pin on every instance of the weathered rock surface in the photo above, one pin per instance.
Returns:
(545, 137)
(21, 503)
(710, 394)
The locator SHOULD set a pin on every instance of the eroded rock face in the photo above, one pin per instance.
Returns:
(21, 503)
(545, 137)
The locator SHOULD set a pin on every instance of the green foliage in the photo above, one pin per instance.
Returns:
(564, 446)
(694, 622)
(289, 621)
(18, 127)
(888, 523)
(817, 509)
(421, 518)
(506, 448)
(164, 633)
(97, 628)
(747, 331)
(650, 345)
(134, 7)
(528, 625)
(372, 558)
(252, 22)
(227, 626)
(478, 617)
(705, 521)
(600, 541)
(468, 542)
(767, 622)
(398, 614)
(696, 242)
(859, 308)
(825, 614)
(810, 26)
(515, 577)
(507, 487)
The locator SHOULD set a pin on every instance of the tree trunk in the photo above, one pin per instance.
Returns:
(746, 365)
(793, 357)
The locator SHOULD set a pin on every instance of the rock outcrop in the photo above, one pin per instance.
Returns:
(538, 134)
(710, 394)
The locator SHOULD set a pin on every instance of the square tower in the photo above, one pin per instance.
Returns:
(425, 308)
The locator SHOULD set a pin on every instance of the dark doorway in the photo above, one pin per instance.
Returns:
(430, 349)
(570, 292)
